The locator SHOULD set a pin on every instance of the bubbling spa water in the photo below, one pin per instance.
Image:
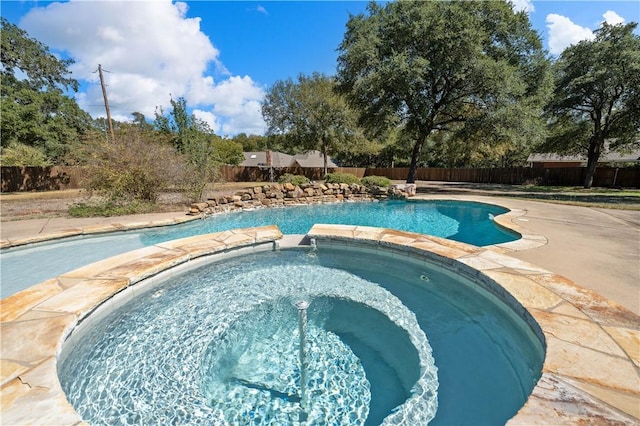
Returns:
(329, 336)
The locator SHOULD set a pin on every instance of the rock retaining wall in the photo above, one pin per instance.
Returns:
(279, 195)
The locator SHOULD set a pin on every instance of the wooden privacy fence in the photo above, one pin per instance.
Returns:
(31, 178)
(628, 177)
(16, 179)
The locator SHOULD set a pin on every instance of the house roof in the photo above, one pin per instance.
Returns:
(608, 157)
(309, 159)
(313, 159)
(259, 159)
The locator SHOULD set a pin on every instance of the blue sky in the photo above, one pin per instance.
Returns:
(222, 56)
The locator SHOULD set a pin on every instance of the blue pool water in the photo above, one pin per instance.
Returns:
(467, 222)
(219, 343)
(460, 221)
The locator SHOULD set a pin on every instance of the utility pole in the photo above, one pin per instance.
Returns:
(106, 103)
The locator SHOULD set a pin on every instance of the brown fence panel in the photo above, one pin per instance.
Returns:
(358, 172)
(31, 178)
(628, 177)
(16, 179)
(395, 173)
(11, 179)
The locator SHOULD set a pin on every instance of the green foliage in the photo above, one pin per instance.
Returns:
(23, 155)
(310, 114)
(371, 181)
(293, 179)
(42, 69)
(252, 143)
(227, 151)
(473, 69)
(338, 177)
(34, 109)
(135, 170)
(203, 151)
(182, 129)
(110, 208)
(597, 96)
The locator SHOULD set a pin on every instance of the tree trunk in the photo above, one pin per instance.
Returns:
(325, 148)
(595, 147)
(415, 156)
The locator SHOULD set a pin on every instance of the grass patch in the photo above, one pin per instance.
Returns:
(580, 190)
(108, 209)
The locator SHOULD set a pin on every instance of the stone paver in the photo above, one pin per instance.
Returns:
(593, 343)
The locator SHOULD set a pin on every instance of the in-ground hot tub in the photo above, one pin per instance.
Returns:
(385, 339)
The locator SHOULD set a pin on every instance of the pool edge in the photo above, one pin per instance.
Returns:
(592, 357)
(579, 383)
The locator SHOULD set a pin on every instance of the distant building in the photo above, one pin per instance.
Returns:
(551, 160)
(259, 159)
(312, 159)
(309, 159)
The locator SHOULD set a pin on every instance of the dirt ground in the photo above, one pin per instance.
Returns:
(35, 205)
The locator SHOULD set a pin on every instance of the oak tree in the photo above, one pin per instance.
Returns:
(596, 102)
(310, 114)
(465, 67)
(35, 109)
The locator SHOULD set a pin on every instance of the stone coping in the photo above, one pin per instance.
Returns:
(592, 359)
(590, 371)
(35, 322)
(93, 230)
(506, 220)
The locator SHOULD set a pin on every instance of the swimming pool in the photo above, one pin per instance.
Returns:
(468, 222)
(149, 360)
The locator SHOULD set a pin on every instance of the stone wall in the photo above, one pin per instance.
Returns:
(280, 195)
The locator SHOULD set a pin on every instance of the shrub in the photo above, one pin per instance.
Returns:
(19, 154)
(109, 208)
(134, 170)
(371, 181)
(347, 178)
(293, 179)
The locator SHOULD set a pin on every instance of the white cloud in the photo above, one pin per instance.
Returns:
(239, 99)
(152, 51)
(261, 9)
(209, 118)
(522, 6)
(236, 104)
(563, 33)
(612, 18)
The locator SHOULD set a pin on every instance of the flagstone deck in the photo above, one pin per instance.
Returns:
(590, 371)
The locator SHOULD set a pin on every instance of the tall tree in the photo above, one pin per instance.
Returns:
(310, 114)
(597, 96)
(442, 67)
(35, 111)
(204, 152)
